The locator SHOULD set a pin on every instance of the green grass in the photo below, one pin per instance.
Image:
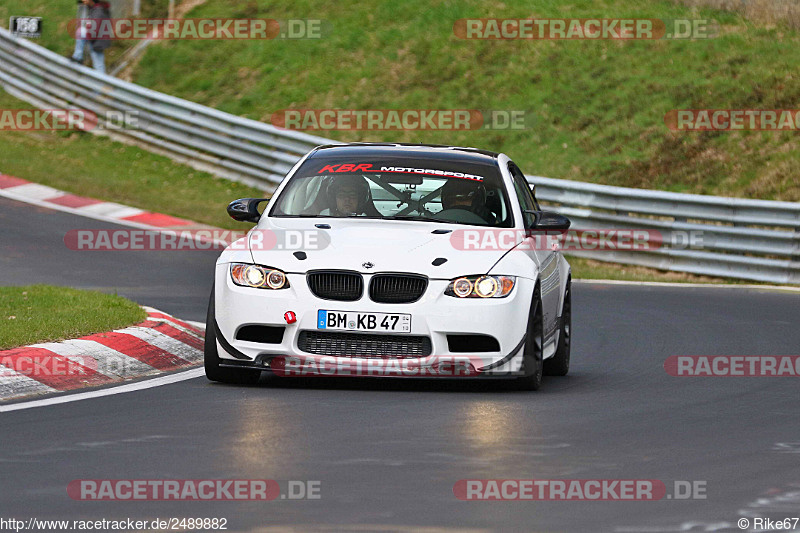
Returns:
(98, 167)
(43, 313)
(597, 106)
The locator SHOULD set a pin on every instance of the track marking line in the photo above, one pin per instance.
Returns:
(120, 389)
(115, 215)
(55, 207)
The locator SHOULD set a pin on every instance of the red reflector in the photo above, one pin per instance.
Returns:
(290, 317)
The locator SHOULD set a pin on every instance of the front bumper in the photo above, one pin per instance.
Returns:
(434, 316)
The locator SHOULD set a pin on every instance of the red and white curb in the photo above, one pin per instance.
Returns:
(34, 193)
(162, 343)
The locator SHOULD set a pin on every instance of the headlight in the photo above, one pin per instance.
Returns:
(462, 287)
(258, 276)
(481, 287)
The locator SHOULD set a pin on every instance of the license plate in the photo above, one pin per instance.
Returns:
(352, 321)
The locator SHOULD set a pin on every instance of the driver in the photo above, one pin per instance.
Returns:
(469, 195)
(349, 196)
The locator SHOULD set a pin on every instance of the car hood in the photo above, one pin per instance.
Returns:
(350, 244)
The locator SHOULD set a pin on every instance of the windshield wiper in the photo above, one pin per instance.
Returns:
(411, 217)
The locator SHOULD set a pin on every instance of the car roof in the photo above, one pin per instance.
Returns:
(435, 151)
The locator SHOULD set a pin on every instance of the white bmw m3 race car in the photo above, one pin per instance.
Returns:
(389, 260)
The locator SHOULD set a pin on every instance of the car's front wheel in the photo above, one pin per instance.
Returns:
(211, 360)
(534, 347)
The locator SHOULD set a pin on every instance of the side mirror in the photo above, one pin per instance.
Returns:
(245, 209)
(549, 221)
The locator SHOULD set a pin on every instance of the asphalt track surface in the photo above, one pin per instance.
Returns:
(387, 454)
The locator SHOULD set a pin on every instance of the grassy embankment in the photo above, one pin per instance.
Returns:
(43, 313)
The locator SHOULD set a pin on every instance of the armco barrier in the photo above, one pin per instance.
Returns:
(741, 238)
(229, 146)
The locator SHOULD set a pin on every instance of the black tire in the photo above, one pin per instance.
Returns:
(534, 347)
(558, 365)
(211, 358)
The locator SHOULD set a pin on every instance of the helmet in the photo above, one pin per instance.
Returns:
(352, 182)
(470, 189)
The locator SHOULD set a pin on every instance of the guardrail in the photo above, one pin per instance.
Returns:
(728, 237)
(741, 238)
(232, 147)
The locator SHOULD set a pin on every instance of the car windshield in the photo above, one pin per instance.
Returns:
(430, 190)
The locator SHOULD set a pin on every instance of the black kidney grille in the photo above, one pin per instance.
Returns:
(397, 288)
(342, 286)
(363, 344)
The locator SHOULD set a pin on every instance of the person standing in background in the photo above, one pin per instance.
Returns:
(97, 10)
